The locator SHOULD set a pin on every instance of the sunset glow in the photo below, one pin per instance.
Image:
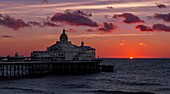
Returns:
(131, 57)
(117, 29)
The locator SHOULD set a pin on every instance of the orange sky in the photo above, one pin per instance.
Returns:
(112, 37)
(116, 46)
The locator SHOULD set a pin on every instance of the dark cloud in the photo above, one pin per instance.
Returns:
(78, 12)
(16, 24)
(43, 24)
(160, 5)
(129, 18)
(107, 27)
(6, 36)
(143, 28)
(161, 27)
(165, 17)
(155, 27)
(104, 27)
(74, 18)
(11, 22)
(50, 24)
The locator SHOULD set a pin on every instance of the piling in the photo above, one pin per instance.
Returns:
(42, 68)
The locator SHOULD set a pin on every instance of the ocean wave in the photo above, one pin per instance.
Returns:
(139, 83)
(28, 90)
(119, 92)
(163, 89)
(76, 86)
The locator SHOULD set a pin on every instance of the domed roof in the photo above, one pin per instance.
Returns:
(82, 43)
(63, 36)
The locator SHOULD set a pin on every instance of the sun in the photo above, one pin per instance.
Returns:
(131, 57)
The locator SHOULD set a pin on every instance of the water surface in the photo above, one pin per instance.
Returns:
(138, 76)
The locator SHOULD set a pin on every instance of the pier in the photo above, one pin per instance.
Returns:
(42, 68)
(63, 57)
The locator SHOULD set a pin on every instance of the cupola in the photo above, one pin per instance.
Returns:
(63, 37)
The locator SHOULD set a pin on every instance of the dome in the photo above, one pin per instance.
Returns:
(82, 43)
(63, 37)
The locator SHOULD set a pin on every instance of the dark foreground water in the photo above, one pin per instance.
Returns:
(130, 77)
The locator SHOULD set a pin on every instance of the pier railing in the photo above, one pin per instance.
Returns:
(41, 68)
(31, 69)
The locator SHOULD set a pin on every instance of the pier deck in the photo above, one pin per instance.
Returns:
(42, 68)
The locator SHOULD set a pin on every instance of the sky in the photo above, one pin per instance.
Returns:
(116, 28)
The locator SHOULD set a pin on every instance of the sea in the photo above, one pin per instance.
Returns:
(136, 76)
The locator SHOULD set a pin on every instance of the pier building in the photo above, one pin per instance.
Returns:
(64, 50)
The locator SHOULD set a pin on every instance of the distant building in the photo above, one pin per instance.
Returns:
(64, 50)
(15, 58)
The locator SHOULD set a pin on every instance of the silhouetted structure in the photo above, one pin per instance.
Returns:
(64, 50)
(60, 58)
(15, 58)
(35, 69)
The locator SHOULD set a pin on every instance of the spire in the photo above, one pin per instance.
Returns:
(64, 31)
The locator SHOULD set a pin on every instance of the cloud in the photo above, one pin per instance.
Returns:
(16, 24)
(11, 22)
(107, 27)
(79, 12)
(77, 18)
(50, 24)
(155, 27)
(43, 24)
(143, 28)
(129, 18)
(160, 5)
(121, 44)
(165, 17)
(6, 36)
(142, 44)
(161, 27)
(104, 27)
